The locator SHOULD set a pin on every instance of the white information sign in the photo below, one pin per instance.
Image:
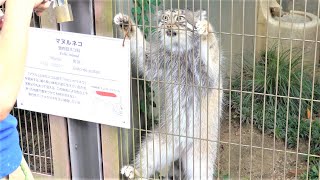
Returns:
(77, 76)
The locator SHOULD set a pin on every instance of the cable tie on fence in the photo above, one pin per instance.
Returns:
(125, 36)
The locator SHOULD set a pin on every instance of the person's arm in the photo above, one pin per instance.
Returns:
(13, 49)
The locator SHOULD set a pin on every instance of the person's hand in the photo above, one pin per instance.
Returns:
(2, 2)
(1, 19)
(40, 6)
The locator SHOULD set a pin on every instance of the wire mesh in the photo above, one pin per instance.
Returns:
(35, 140)
(269, 122)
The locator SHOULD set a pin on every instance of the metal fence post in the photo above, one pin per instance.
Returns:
(84, 137)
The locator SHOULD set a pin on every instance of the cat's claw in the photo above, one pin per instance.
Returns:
(202, 27)
(127, 171)
(122, 20)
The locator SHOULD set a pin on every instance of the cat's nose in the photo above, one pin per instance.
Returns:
(171, 33)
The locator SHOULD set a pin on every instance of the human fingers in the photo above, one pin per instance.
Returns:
(2, 2)
(42, 7)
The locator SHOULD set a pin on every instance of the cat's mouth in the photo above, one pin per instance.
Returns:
(171, 33)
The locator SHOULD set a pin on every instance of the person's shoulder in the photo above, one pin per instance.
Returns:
(9, 121)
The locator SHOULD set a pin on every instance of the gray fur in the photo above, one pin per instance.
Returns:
(184, 82)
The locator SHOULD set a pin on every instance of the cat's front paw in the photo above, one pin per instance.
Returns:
(127, 171)
(202, 27)
(123, 21)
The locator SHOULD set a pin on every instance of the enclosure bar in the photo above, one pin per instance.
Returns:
(37, 175)
(220, 99)
(249, 92)
(312, 97)
(50, 147)
(165, 101)
(20, 129)
(187, 94)
(314, 71)
(32, 140)
(174, 83)
(44, 142)
(270, 149)
(207, 94)
(144, 82)
(297, 148)
(26, 134)
(120, 130)
(41, 137)
(241, 96)
(248, 145)
(230, 87)
(253, 76)
(264, 93)
(256, 93)
(36, 155)
(157, 81)
(288, 99)
(226, 142)
(120, 148)
(193, 105)
(172, 97)
(133, 115)
(276, 97)
(151, 93)
(179, 98)
(130, 133)
(138, 93)
(261, 36)
(38, 142)
(200, 92)
(300, 95)
(138, 88)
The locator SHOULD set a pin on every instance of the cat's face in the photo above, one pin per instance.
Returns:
(177, 28)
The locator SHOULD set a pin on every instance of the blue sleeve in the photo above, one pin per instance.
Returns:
(10, 151)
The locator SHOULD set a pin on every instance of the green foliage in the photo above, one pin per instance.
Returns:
(281, 114)
(314, 172)
(141, 10)
(147, 103)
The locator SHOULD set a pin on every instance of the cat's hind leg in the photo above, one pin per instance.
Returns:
(156, 152)
(199, 160)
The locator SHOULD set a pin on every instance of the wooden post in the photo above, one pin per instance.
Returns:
(109, 135)
(58, 125)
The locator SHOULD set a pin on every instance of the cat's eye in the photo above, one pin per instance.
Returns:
(180, 18)
(165, 17)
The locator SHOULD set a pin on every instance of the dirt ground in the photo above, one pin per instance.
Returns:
(271, 164)
(275, 164)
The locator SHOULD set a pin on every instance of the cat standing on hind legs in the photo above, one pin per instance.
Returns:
(185, 71)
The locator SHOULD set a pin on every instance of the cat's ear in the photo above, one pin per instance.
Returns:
(201, 14)
(157, 17)
(159, 14)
